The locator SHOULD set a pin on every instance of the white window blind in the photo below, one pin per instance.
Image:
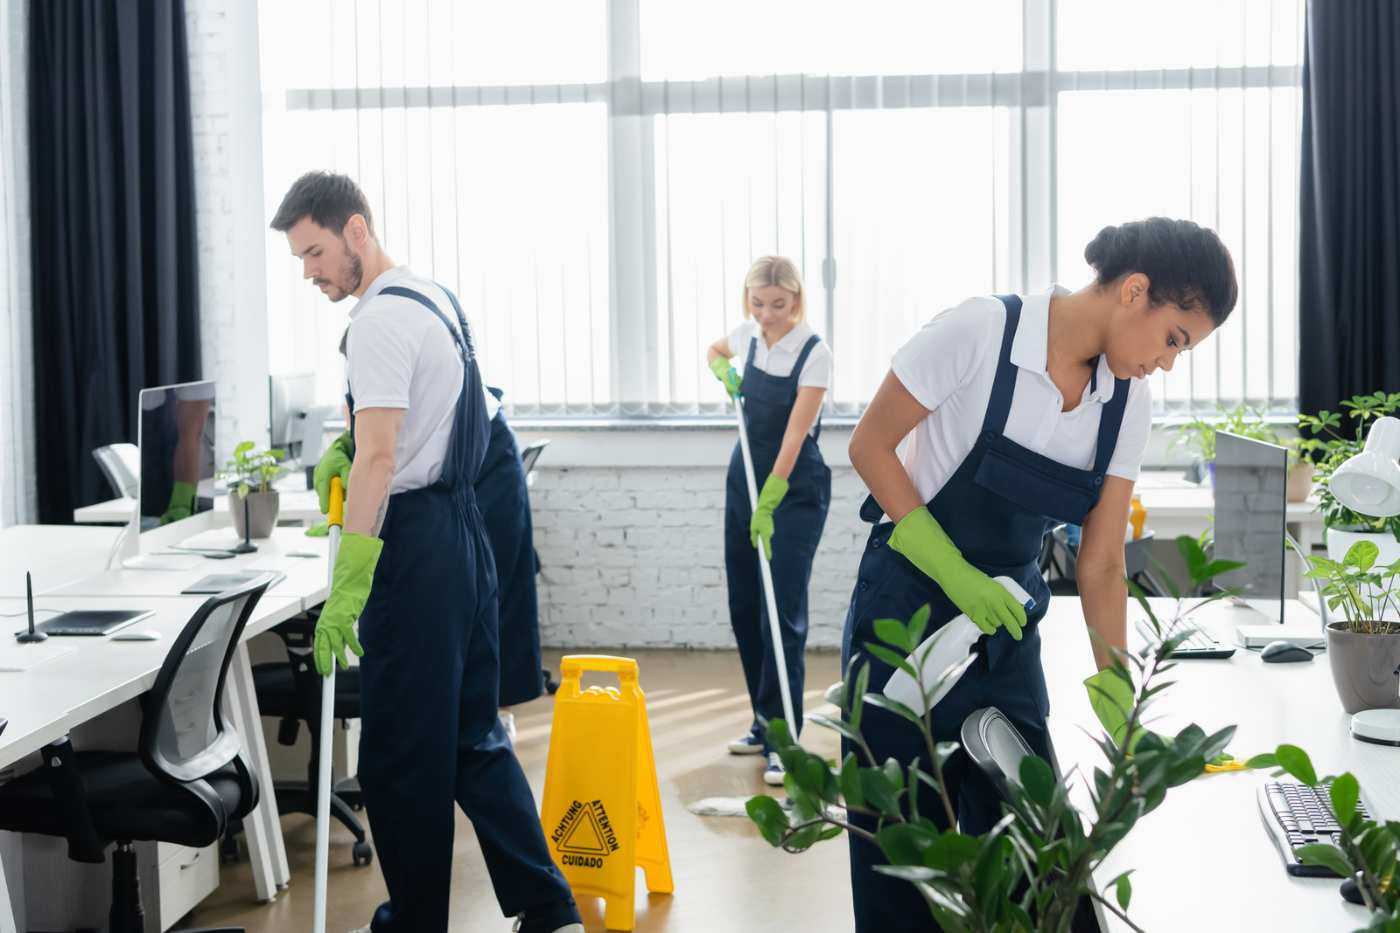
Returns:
(593, 178)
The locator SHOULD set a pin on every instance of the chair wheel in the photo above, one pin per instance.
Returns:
(362, 854)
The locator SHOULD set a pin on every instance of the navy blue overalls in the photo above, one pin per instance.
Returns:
(429, 731)
(505, 506)
(797, 529)
(997, 508)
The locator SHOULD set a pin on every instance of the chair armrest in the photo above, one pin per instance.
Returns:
(66, 782)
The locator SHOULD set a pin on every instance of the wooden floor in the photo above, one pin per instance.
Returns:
(727, 878)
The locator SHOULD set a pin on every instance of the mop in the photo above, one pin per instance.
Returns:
(775, 630)
(334, 521)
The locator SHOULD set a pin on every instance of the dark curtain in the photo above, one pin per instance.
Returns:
(116, 304)
(1349, 237)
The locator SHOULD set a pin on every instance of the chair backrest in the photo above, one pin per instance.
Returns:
(183, 734)
(531, 453)
(121, 463)
(995, 746)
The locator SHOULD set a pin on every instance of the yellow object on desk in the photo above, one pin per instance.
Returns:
(1137, 517)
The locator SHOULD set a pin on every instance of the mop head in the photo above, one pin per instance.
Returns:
(736, 806)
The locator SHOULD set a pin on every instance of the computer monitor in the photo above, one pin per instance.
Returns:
(176, 437)
(1250, 514)
(290, 398)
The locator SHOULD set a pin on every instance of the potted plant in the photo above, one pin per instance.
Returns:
(1198, 434)
(1363, 644)
(1329, 445)
(250, 475)
(1033, 870)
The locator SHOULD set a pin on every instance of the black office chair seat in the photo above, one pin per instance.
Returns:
(276, 686)
(126, 802)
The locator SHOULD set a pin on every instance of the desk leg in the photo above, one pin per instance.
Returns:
(263, 826)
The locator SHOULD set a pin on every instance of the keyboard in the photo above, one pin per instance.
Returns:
(1295, 815)
(1201, 645)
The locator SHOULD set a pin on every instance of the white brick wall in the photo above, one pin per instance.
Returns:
(634, 557)
(225, 105)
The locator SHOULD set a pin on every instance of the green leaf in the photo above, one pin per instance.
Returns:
(1362, 555)
(1123, 889)
(951, 851)
(768, 815)
(1217, 567)
(1260, 762)
(892, 658)
(1345, 793)
(1037, 779)
(907, 872)
(835, 725)
(1111, 697)
(879, 793)
(894, 706)
(1321, 853)
(904, 843)
(893, 632)
(857, 697)
(850, 781)
(1296, 762)
(1193, 554)
(918, 624)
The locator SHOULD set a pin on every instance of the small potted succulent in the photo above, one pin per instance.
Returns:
(1198, 434)
(1363, 640)
(1329, 445)
(251, 498)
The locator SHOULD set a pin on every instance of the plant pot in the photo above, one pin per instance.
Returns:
(1300, 477)
(262, 513)
(1364, 668)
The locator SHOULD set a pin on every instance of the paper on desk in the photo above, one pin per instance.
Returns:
(15, 657)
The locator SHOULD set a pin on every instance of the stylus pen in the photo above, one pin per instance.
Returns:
(29, 598)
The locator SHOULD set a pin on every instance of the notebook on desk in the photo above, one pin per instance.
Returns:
(93, 621)
(219, 582)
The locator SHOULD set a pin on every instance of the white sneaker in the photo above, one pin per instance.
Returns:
(748, 744)
(773, 774)
(566, 928)
(508, 720)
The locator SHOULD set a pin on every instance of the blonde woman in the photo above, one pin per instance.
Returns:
(787, 370)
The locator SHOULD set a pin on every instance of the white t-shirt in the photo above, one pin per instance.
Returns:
(399, 355)
(949, 367)
(779, 359)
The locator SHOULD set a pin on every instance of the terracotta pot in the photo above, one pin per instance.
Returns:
(1300, 476)
(262, 513)
(1364, 668)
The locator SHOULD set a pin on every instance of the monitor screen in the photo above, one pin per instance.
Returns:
(176, 436)
(290, 398)
(1251, 479)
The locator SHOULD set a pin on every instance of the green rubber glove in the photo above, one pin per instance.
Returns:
(761, 525)
(350, 583)
(726, 373)
(318, 530)
(181, 502)
(920, 538)
(334, 462)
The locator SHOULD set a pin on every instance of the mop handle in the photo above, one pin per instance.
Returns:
(334, 521)
(766, 572)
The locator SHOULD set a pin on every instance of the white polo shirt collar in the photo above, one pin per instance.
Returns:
(382, 281)
(1030, 346)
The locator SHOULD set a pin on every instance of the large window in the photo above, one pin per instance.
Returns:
(593, 177)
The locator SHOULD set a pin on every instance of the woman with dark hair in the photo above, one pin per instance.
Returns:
(1001, 417)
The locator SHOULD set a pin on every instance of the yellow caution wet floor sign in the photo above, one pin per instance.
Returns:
(602, 806)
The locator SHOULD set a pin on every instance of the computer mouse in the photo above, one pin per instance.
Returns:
(144, 634)
(1284, 652)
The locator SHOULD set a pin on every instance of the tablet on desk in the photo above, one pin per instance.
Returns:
(218, 582)
(93, 621)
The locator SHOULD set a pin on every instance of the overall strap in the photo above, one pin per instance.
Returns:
(1004, 387)
(807, 349)
(1110, 420)
(753, 348)
(463, 347)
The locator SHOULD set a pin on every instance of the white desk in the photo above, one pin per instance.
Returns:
(50, 699)
(1203, 859)
(53, 554)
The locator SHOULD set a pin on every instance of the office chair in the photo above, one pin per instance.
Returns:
(1059, 562)
(183, 784)
(121, 464)
(291, 691)
(997, 749)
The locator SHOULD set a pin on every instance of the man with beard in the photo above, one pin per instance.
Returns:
(415, 568)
